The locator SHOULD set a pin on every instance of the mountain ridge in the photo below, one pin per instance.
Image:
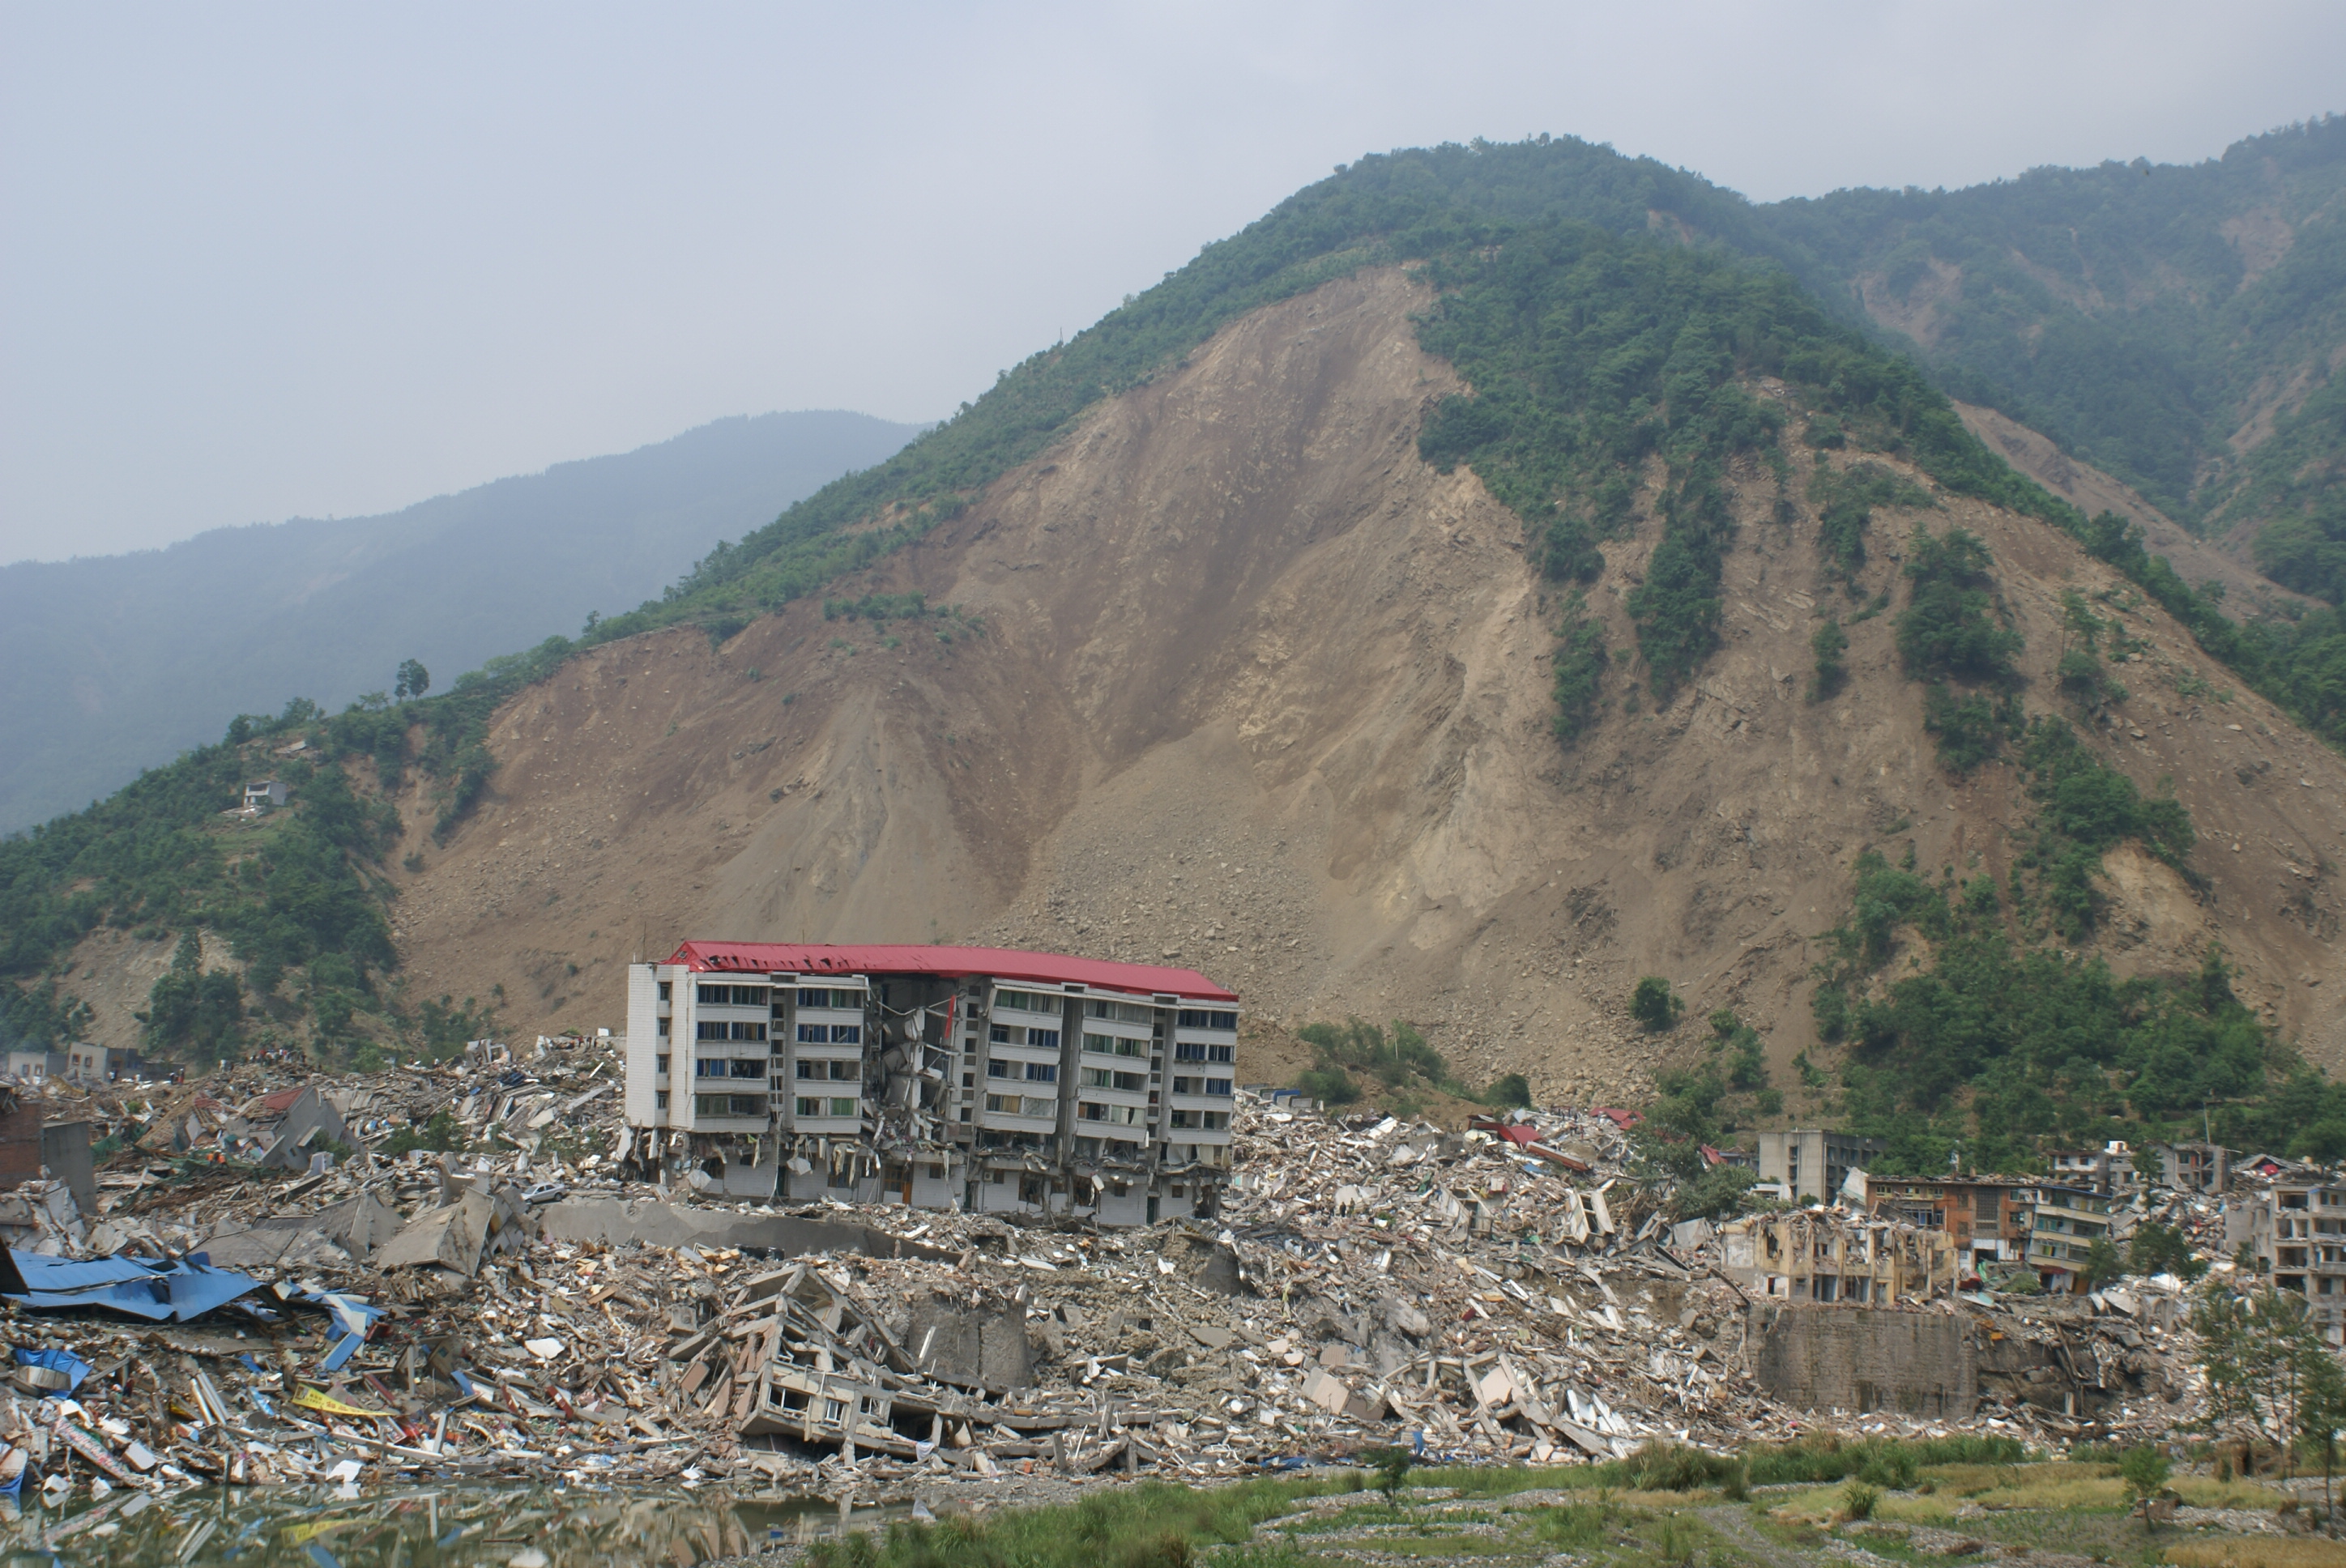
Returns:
(126, 659)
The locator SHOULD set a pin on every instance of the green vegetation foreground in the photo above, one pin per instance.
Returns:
(1663, 1505)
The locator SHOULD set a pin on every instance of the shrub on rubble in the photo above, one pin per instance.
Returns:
(1328, 1085)
(441, 1134)
(1508, 1093)
(1715, 1194)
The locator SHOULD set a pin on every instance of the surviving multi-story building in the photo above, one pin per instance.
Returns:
(1810, 1164)
(2064, 1223)
(941, 1078)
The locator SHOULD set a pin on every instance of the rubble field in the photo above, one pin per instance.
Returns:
(275, 1284)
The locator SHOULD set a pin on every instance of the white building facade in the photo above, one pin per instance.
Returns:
(983, 1079)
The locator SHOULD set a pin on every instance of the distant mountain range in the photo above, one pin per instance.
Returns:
(118, 663)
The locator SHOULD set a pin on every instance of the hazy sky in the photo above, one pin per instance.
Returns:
(263, 260)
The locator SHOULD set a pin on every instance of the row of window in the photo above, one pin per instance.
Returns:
(830, 1034)
(1204, 1121)
(1191, 1051)
(1011, 1034)
(1034, 1072)
(1109, 1078)
(1116, 1116)
(761, 996)
(1114, 1045)
(1202, 1085)
(812, 1106)
(1022, 1001)
(729, 1104)
(709, 1030)
(1122, 1011)
(1022, 1106)
(729, 1067)
(836, 1072)
(1027, 1000)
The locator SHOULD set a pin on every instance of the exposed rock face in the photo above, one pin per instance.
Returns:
(1259, 690)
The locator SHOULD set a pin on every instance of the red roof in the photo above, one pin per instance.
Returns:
(281, 1101)
(890, 958)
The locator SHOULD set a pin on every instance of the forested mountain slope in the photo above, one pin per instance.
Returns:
(119, 663)
(2158, 320)
(1451, 599)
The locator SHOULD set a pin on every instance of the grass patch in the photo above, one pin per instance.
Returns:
(1878, 1461)
(2059, 1486)
(2116, 1538)
(1826, 1505)
(1477, 1481)
(2258, 1552)
(1373, 1515)
(2207, 1492)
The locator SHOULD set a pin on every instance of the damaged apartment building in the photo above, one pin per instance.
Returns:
(982, 1079)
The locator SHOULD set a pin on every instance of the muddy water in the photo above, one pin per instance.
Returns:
(421, 1527)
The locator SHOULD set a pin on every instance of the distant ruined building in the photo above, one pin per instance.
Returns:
(970, 1078)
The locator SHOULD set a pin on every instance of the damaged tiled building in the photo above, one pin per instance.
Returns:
(982, 1079)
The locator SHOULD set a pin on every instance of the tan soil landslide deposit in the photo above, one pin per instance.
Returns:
(1261, 692)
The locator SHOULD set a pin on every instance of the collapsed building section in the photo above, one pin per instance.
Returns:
(979, 1079)
(1815, 1256)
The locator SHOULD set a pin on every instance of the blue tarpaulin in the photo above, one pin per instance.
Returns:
(65, 1361)
(157, 1290)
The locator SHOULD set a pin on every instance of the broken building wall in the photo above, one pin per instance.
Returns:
(20, 1138)
(64, 1149)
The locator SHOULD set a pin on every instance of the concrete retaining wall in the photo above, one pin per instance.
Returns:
(1858, 1359)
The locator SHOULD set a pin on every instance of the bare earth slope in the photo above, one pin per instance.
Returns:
(1259, 689)
(2248, 591)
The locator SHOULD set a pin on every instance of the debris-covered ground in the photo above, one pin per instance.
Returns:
(368, 1309)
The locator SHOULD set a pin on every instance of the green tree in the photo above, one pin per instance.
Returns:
(2104, 1263)
(1946, 629)
(1717, 1194)
(1508, 1093)
(1829, 643)
(193, 1011)
(413, 680)
(1391, 1466)
(2144, 1470)
(1747, 1054)
(1654, 1005)
(2269, 1370)
(2157, 1249)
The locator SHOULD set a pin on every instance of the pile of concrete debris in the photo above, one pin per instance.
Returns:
(262, 1290)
